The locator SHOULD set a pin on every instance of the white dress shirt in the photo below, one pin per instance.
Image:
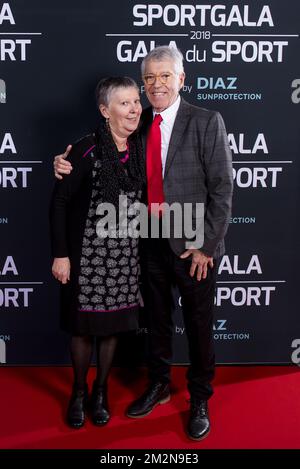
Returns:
(166, 127)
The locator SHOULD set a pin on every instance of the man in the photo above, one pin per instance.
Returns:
(193, 166)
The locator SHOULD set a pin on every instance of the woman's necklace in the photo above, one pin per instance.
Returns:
(126, 156)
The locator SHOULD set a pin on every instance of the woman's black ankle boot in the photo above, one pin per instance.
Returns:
(77, 407)
(99, 405)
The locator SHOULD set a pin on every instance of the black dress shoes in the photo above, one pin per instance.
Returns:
(157, 393)
(77, 407)
(198, 425)
(99, 405)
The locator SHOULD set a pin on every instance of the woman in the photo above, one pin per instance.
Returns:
(99, 275)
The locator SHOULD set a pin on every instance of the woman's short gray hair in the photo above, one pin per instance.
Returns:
(108, 85)
(161, 53)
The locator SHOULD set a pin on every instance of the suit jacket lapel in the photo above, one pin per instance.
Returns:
(180, 124)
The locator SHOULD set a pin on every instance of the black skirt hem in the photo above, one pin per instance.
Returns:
(101, 323)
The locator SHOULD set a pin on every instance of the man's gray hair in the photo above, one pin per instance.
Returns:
(162, 53)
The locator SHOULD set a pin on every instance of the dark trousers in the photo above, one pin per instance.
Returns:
(162, 268)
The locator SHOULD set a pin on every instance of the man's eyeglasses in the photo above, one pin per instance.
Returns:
(164, 78)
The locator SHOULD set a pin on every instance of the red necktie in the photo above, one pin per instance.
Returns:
(154, 165)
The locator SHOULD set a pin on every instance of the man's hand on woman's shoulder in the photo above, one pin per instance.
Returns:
(61, 166)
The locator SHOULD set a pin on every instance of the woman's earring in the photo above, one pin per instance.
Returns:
(107, 123)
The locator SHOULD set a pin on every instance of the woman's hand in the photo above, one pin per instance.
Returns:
(61, 269)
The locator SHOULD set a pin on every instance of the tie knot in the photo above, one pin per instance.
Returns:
(157, 119)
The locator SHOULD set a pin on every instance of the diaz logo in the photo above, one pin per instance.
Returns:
(2, 91)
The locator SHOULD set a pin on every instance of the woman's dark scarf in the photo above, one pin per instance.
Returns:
(112, 178)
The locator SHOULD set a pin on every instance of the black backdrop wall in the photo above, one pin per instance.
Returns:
(240, 59)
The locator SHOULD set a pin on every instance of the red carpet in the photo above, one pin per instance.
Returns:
(253, 407)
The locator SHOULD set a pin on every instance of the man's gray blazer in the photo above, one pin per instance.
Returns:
(198, 169)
